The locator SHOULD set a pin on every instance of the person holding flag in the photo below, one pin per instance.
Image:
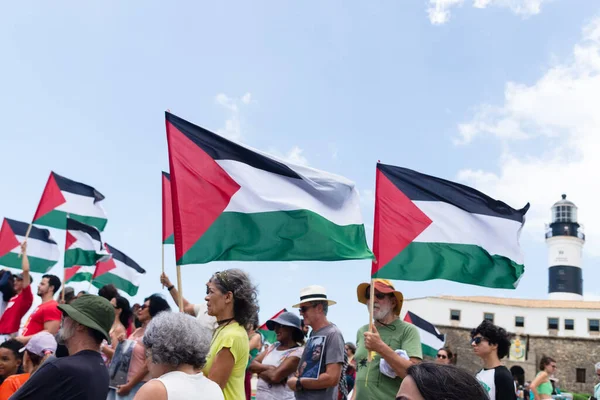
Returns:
(47, 316)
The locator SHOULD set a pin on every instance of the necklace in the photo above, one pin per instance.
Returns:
(224, 321)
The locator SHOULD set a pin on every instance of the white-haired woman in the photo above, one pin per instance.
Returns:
(176, 347)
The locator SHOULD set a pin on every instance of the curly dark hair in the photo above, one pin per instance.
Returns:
(245, 294)
(494, 335)
(440, 381)
(157, 304)
(545, 361)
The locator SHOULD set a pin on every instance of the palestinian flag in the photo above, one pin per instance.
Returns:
(431, 339)
(42, 250)
(120, 270)
(167, 210)
(430, 228)
(269, 336)
(231, 203)
(63, 197)
(83, 249)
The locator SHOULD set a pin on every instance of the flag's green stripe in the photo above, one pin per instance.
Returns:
(36, 264)
(429, 351)
(81, 277)
(58, 219)
(120, 283)
(268, 336)
(455, 262)
(298, 235)
(170, 240)
(81, 257)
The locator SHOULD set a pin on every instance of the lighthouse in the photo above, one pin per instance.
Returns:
(565, 240)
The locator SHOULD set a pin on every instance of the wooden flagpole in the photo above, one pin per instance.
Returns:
(371, 305)
(179, 288)
(163, 261)
(27, 235)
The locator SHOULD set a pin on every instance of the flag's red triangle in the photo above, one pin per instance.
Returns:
(167, 206)
(8, 240)
(398, 221)
(200, 189)
(407, 318)
(69, 240)
(104, 266)
(51, 198)
(70, 272)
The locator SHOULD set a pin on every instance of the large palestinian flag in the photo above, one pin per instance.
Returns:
(234, 203)
(120, 270)
(63, 197)
(167, 210)
(42, 250)
(430, 228)
(83, 249)
(431, 339)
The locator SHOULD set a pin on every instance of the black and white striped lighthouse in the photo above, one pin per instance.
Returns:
(565, 239)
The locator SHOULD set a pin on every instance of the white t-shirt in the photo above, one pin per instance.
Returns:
(207, 321)
(266, 391)
(182, 386)
(498, 383)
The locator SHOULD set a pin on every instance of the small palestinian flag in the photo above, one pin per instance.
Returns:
(42, 250)
(231, 203)
(83, 249)
(431, 339)
(430, 228)
(167, 210)
(64, 197)
(120, 270)
(269, 336)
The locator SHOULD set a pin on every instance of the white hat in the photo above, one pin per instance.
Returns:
(313, 293)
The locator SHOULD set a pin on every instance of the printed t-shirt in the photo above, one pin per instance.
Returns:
(138, 355)
(45, 312)
(233, 337)
(12, 384)
(325, 346)
(275, 357)
(398, 335)
(15, 310)
(498, 383)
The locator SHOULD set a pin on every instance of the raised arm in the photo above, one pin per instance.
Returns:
(188, 307)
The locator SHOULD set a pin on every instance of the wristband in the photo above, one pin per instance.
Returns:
(299, 387)
(170, 288)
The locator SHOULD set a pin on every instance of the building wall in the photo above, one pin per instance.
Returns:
(437, 311)
(569, 353)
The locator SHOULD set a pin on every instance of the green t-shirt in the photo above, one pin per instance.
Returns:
(398, 335)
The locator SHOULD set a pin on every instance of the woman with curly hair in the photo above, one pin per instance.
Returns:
(176, 346)
(231, 299)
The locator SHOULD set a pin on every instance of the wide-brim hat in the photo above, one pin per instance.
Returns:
(285, 319)
(382, 286)
(313, 293)
(95, 312)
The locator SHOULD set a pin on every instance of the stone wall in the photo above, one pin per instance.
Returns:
(569, 353)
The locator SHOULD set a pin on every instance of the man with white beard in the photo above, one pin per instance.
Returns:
(82, 375)
(395, 344)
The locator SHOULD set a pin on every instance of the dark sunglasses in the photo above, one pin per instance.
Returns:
(443, 357)
(303, 309)
(378, 296)
(143, 307)
(477, 340)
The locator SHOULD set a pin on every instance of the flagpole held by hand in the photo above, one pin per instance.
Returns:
(27, 235)
(163, 261)
(371, 305)
(179, 288)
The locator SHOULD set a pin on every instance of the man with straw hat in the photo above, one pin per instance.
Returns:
(395, 344)
(82, 375)
(322, 361)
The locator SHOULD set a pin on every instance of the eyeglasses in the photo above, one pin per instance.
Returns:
(143, 307)
(442, 356)
(303, 309)
(378, 295)
(477, 340)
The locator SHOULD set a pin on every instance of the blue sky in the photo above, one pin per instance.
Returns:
(497, 94)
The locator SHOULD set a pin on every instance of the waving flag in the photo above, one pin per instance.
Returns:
(120, 270)
(83, 249)
(431, 339)
(42, 250)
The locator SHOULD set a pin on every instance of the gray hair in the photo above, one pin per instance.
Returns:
(245, 294)
(597, 366)
(176, 339)
(324, 304)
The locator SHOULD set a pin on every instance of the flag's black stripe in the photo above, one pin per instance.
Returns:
(118, 255)
(426, 326)
(220, 148)
(421, 187)
(68, 185)
(20, 228)
(167, 175)
(73, 225)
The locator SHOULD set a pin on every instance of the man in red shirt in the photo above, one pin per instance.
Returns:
(20, 303)
(47, 316)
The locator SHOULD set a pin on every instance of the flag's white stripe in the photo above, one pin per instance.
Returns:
(38, 248)
(85, 242)
(81, 205)
(86, 268)
(334, 199)
(127, 273)
(498, 236)
(430, 340)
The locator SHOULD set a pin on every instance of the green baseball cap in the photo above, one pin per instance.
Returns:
(95, 312)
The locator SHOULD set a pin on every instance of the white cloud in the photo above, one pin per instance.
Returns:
(232, 129)
(560, 111)
(439, 10)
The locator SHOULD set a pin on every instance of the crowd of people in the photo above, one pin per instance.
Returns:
(74, 347)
